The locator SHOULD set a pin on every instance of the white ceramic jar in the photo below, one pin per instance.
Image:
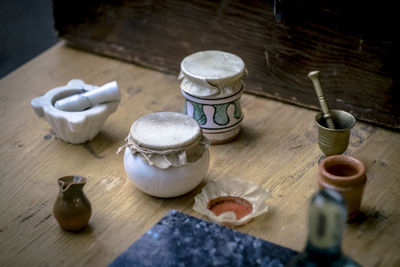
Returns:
(166, 154)
(212, 84)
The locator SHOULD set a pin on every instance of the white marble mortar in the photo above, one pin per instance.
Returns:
(73, 127)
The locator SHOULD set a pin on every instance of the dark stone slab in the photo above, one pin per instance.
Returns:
(182, 240)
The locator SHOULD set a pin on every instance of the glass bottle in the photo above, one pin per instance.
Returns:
(327, 219)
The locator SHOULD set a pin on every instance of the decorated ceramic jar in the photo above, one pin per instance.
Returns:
(166, 154)
(212, 84)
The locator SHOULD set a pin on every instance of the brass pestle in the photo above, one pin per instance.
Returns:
(314, 76)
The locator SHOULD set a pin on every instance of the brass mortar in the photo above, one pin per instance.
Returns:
(335, 141)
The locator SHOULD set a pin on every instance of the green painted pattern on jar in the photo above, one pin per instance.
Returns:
(238, 110)
(198, 113)
(221, 115)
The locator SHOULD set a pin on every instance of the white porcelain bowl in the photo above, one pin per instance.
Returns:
(170, 182)
(73, 127)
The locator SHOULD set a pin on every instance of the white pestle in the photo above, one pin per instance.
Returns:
(106, 93)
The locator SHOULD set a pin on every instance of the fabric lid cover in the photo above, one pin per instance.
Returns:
(167, 139)
(212, 73)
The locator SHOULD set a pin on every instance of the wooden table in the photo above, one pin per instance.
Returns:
(277, 149)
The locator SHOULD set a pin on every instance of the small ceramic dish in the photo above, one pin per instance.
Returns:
(73, 127)
(231, 201)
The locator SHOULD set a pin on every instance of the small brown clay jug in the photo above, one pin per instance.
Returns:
(72, 209)
(345, 175)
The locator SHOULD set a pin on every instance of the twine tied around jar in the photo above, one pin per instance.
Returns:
(164, 159)
(216, 88)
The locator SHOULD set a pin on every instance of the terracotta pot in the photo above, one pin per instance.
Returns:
(72, 209)
(345, 175)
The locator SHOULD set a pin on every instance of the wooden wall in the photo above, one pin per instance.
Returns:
(353, 44)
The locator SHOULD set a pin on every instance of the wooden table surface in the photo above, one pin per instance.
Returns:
(277, 149)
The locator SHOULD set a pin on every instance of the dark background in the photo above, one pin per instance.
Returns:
(354, 44)
(26, 30)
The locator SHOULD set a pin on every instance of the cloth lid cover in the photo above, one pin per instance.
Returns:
(212, 73)
(167, 139)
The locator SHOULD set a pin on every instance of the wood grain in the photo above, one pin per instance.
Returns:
(277, 149)
(352, 44)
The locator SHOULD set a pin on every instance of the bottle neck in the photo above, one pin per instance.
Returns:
(326, 225)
